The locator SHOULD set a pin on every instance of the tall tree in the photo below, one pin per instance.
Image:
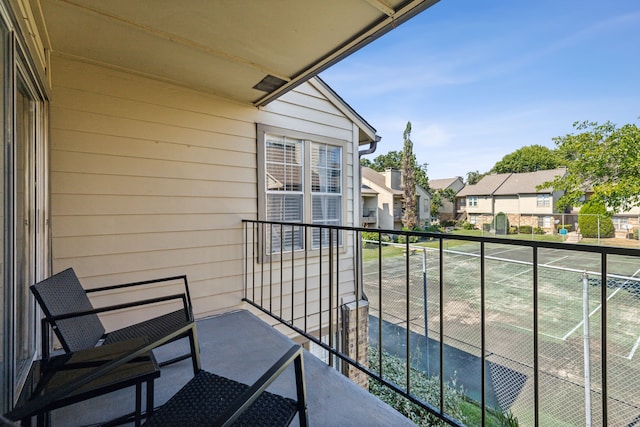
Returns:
(603, 160)
(438, 197)
(530, 158)
(474, 177)
(410, 217)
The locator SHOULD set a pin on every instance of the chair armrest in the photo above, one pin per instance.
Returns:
(147, 282)
(242, 402)
(184, 297)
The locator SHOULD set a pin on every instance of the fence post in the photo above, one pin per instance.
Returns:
(587, 350)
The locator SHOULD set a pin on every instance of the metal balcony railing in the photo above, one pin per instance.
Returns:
(545, 333)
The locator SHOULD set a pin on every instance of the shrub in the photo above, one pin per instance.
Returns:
(428, 388)
(525, 229)
(635, 233)
(468, 226)
(513, 230)
(448, 223)
(567, 227)
(538, 230)
(588, 221)
(486, 227)
(402, 238)
(371, 235)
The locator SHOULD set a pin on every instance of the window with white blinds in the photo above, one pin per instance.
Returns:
(284, 160)
(326, 189)
(302, 180)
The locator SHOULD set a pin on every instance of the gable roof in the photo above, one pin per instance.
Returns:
(377, 179)
(441, 184)
(367, 133)
(487, 186)
(526, 183)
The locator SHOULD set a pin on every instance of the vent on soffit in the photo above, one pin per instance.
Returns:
(269, 83)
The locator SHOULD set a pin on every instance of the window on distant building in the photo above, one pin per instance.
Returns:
(544, 221)
(301, 181)
(620, 223)
(472, 201)
(473, 219)
(544, 200)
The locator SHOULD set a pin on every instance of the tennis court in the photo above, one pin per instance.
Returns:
(509, 296)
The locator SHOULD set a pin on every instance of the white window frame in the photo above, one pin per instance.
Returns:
(543, 200)
(472, 201)
(620, 223)
(308, 140)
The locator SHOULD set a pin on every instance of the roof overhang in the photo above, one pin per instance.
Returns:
(251, 51)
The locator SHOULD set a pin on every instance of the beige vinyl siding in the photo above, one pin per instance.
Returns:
(529, 205)
(149, 179)
(507, 204)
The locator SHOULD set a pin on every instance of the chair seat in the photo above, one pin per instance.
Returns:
(207, 395)
(152, 329)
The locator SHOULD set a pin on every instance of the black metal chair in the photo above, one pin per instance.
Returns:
(211, 400)
(75, 321)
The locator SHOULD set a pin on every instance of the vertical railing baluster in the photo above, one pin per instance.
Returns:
(337, 242)
(536, 361)
(358, 283)
(271, 269)
(380, 303)
(331, 267)
(320, 279)
(281, 296)
(264, 249)
(441, 355)
(483, 354)
(253, 262)
(604, 284)
(293, 233)
(408, 312)
(246, 257)
(306, 275)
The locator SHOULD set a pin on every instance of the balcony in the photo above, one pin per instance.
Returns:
(240, 346)
(369, 216)
(474, 331)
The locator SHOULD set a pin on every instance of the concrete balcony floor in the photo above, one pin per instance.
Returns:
(240, 346)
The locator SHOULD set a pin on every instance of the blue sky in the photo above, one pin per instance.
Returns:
(479, 79)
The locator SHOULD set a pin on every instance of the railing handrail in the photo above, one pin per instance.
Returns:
(326, 255)
(581, 247)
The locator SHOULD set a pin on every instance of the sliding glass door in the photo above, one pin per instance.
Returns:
(25, 228)
(23, 191)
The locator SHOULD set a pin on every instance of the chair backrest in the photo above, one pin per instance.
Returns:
(63, 294)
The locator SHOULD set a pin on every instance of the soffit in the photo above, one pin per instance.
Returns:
(223, 47)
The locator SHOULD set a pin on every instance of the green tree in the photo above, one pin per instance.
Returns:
(603, 160)
(530, 158)
(410, 217)
(393, 160)
(474, 177)
(438, 197)
(594, 221)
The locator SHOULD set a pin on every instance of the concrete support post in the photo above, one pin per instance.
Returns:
(355, 332)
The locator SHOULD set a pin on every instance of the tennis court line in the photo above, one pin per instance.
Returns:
(598, 308)
(568, 334)
(633, 350)
(539, 333)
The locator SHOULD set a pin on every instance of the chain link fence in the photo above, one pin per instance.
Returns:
(509, 325)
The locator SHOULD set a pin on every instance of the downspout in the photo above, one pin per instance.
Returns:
(372, 148)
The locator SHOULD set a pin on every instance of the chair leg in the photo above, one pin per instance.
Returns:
(195, 349)
(301, 390)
